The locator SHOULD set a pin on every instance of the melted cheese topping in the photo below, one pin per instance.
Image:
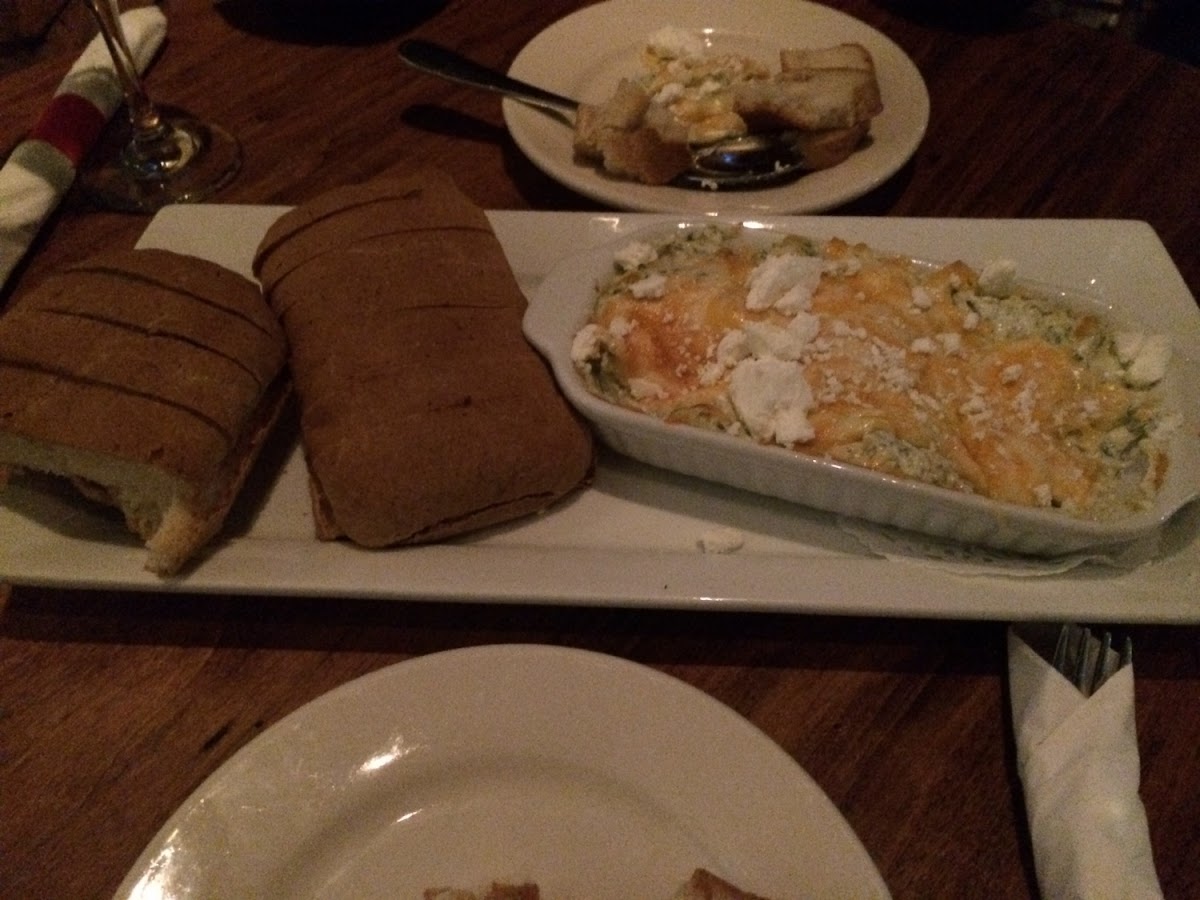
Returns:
(944, 375)
(682, 77)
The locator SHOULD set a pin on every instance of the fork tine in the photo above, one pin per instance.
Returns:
(1080, 679)
(1101, 669)
(1060, 649)
(1088, 664)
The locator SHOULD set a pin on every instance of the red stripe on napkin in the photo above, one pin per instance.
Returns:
(71, 125)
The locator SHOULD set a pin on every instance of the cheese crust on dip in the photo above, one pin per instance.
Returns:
(947, 375)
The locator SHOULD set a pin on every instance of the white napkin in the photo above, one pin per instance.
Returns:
(41, 168)
(1079, 766)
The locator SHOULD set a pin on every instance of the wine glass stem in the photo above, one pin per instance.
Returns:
(143, 115)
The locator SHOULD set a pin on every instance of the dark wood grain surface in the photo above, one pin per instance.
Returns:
(115, 706)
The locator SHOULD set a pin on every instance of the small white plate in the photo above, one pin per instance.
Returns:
(565, 300)
(593, 776)
(585, 54)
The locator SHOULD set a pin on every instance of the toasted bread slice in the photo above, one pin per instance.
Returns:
(812, 100)
(826, 149)
(829, 95)
(794, 61)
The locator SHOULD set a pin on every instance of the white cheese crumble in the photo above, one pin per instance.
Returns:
(806, 326)
(620, 326)
(847, 265)
(721, 540)
(645, 389)
(668, 93)
(634, 254)
(1126, 345)
(844, 329)
(764, 339)
(587, 344)
(975, 409)
(951, 341)
(711, 373)
(889, 362)
(772, 399)
(673, 42)
(1166, 426)
(998, 277)
(785, 282)
(650, 287)
(1145, 357)
(732, 348)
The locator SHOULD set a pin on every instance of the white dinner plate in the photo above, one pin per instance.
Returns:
(593, 776)
(635, 536)
(585, 54)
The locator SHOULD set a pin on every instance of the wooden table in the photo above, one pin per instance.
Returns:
(115, 706)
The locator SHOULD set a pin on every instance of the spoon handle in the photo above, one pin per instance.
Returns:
(438, 60)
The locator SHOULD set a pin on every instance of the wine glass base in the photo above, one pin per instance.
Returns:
(190, 162)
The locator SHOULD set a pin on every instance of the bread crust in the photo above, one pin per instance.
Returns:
(424, 412)
(150, 379)
(178, 345)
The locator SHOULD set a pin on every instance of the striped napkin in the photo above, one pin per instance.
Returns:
(41, 168)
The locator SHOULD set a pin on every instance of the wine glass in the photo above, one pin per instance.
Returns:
(163, 155)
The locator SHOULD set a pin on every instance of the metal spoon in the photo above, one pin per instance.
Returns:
(750, 161)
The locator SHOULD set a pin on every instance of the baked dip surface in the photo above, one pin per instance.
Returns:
(944, 374)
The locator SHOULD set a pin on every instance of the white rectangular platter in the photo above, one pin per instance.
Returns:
(637, 536)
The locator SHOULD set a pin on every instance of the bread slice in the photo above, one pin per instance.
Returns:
(619, 136)
(148, 378)
(704, 885)
(830, 92)
(818, 100)
(827, 96)
(801, 60)
(424, 411)
(826, 148)
(496, 891)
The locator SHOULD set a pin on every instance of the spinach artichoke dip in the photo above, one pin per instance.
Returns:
(954, 377)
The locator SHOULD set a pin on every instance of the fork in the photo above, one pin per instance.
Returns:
(1086, 662)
